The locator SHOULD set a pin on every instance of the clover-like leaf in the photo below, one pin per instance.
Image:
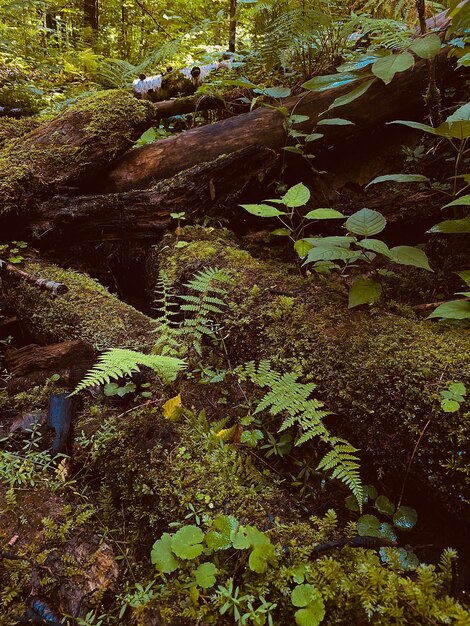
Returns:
(405, 518)
(312, 615)
(187, 542)
(205, 575)
(162, 556)
(302, 595)
(260, 557)
(384, 505)
(220, 535)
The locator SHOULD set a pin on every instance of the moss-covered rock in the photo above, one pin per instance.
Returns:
(379, 373)
(71, 149)
(12, 128)
(88, 311)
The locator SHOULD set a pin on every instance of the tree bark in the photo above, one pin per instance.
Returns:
(266, 127)
(205, 189)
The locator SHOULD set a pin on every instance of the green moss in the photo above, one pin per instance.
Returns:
(86, 312)
(71, 148)
(377, 372)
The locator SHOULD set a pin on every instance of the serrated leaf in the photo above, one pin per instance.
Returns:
(186, 543)
(384, 505)
(262, 210)
(452, 226)
(335, 121)
(172, 408)
(405, 518)
(205, 575)
(296, 196)
(453, 310)
(364, 291)
(376, 245)
(385, 68)
(351, 96)
(427, 47)
(449, 406)
(162, 556)
(409, 255)
(302, 595)
(302, 248)
(312, 615)
(366, 222)
(324, 214)
(260, 557)
(399, 178)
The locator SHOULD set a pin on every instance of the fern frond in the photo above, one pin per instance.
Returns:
(344, 464)
(118, 362)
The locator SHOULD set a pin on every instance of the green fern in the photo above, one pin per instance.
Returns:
(168, 342)
(206, 302)
(293, 399)
(118, 362)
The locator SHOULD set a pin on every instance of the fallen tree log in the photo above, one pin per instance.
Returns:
(378, 372)
(70, 150)
(205, 189)
(403, 98)
(87, 311)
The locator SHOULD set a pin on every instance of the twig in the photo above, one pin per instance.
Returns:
(433, 305)
(356, 542)
(41, 283)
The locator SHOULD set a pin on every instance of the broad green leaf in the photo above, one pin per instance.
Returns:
(351, 96)
(458, 124)
(376, 245)
(366, 222)
(453, 310)
(462, 201)
(384, 505)
(220, 535)
(293, 149)
(260, 557)
(274, 92)
(409, 255)
(334, 121)
(296, 196)
(458, 389)
(364, 291)
(370, 526)
(302, 248)
(330, 81)
(461, 18)
(325, 267)
(323, 253)
(417, 125)
(205, 575)
(452, 226)
(162, 556)
(240, 82)
(427, 47)
(262, 210)
(464, 61)
(298, 119)
(251, 437)
(302, 595)
(312, 615)
(386, 67)
(351, 503)
(405, 518)
(399, 178)
(465, 276)
(187, 542)
(247, 536)
(343, 241)
(324, 214)
(313, 137)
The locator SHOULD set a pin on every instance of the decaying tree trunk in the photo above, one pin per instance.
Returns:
(403, 98)
(206, 189)
(71, 150)
(377, 372)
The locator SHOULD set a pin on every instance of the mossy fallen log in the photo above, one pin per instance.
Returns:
(378, 372)
(205, 189)
(70, 150)
(87, 311)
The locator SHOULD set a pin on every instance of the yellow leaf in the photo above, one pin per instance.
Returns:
(194, 594)
(172, 408)
(226, 434)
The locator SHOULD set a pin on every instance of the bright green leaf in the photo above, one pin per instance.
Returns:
(324, 214)
(205, 575)
(313, 137)
(260, 557)
(162, 556)
(409, 255)
(386, 67)
(302, 595)
(220, 535)
(427, 47)
(281, 232)
(449, 406)
(312, 615)
(462, 201)
(399, 178)
(302, 248)
(376, 245)
(296, 196)
(262, 210)
(366, 222)
(187, 542)
(453, 310)
(334, 121)
(452, 226)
